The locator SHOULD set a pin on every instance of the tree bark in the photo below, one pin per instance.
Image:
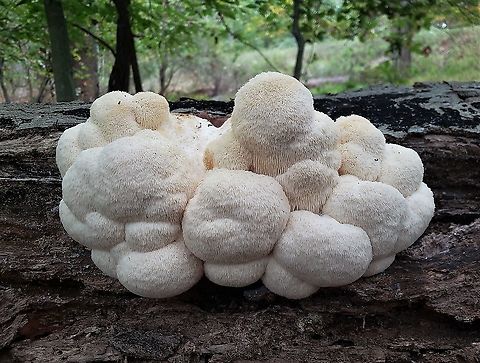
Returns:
(56, 306)
(297, 34)
(30, 85)
(165, 74)
(6, 96)
(87, 70)
(137, 81)
(403, 50)
(61, 56)
(43, 87)
(125, 54)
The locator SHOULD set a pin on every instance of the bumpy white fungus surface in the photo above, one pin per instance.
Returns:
(235, 219)
(270, 134)
(402, 168)
(318, 251)
(362, 147)
(280, 193)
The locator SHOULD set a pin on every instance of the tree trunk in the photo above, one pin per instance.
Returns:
(297, 33)
(405, 60)
(42, 89)
(403, 50)
(87, 79)
(6, 96)
(137, 81)
(162, 75)
(125, 55)
(61, 56)
(55, 306)
(30, 85)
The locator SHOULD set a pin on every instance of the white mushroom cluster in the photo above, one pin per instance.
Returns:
(280, 193)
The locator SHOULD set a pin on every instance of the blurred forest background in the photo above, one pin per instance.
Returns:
(66, 50)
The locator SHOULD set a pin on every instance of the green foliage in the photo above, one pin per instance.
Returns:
(22, 34)
(213, 46)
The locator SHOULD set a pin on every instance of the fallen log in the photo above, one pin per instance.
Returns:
(56, 306)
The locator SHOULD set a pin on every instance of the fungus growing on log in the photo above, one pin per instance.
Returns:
(280, 193)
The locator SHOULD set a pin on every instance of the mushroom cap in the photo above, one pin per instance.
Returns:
(281, 282)
(131, 177)
(135, 189)
(104, 260)
(379, 265)
(273, 126)
(151, 110)
(362, 147)
(226, 152)
(67, 149)
(114, 115)
(162, 273)
(308, 184)
(235, 275)
(421, 207)
(402, 168)
(145, 236)
(321, 251)
(379, 209)
(235, 217)
(271, 109)
(93, 230)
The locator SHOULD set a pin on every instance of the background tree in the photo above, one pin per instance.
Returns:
(209, 48)
(309, 21)
(125, 54)
(60, 47)
(405, 18)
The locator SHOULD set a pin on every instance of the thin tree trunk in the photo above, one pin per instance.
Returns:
(61, 56)
(30, 85)
(404, 60)
(41, 90)
(403, 51)
(165, 73)
(6, 97)
(87, 73)
(137, 81)
(296, 32)
(162, 73)
(125, 52)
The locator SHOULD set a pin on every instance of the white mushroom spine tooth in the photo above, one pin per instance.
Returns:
(280, 193)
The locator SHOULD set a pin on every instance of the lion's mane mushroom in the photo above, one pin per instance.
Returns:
(118, 114)
(362, 147)
(274, 126)
(133, 191)
(233, 222)
(379, 209)
(280, 193)
(276, 131)
(316, 251)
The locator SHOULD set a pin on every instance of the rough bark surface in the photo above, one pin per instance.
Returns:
(56, 306)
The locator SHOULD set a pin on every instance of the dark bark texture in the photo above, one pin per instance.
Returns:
(56, 306)
(61, 57)
(299, 39)
(125, 54)
(3, 87)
